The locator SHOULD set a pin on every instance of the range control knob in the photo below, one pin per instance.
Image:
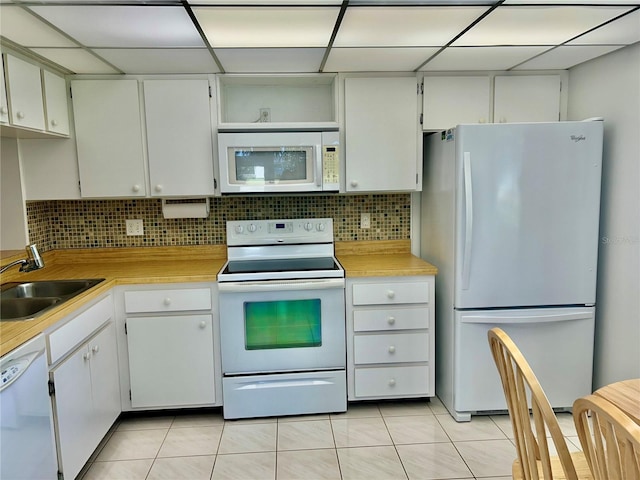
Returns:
(308, 226)
(239, 229)
(320, 227)
(252, 227)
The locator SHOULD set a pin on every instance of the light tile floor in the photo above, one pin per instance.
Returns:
(415, 440)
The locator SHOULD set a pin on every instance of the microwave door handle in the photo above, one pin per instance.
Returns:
(318, 164)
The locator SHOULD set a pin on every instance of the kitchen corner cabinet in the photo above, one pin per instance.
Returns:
(109, 138)
(526, 98)
(390, 337)
(179, 137)
(85, 384)
(452, 100)
(170, 334)
(381, 134)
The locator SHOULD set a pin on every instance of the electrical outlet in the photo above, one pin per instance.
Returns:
(265, 115)
(135, 227)
(365, 220)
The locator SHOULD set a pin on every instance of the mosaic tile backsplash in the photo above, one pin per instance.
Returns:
(101, 223)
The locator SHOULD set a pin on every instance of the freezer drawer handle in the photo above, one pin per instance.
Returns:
(561, 317)
(468, 234)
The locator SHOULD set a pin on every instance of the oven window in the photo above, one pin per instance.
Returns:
(282, 324)
(270, 165)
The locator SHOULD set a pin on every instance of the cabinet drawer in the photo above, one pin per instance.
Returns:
(392, 348)
(390, 319)
(392, 381)
(390, 293)
(72, 333)
(167, 300)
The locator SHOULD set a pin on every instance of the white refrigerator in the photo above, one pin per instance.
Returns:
(510, 216)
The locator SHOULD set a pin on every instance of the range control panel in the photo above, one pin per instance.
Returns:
(273, 232)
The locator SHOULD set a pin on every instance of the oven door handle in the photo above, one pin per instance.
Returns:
(279, 286)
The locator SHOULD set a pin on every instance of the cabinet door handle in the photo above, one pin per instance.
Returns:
(203, 324)
(392, 349)
(136, 188)
(4, 110)
(167, 301)
(159, 188)
(54, 123)
(392, 382)
(391, 320)
(86, 356)
(20, 115)
(391, 294)
(95, 348)
(354, 183)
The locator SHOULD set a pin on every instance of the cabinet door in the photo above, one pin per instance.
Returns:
(105, 381)
(73, 412)
(25, 93)
(109, 138)
(4, 106)
(450, 101)
(381, 127)
(55, 94)
(171, 360)
(530, 98)
(179, 137)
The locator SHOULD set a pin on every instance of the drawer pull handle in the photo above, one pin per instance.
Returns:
(391, 294)
(392, 349)
(203, 324)
(392, 382)
(86, 356)
(95, 349)
(167, 301)
(391, 320)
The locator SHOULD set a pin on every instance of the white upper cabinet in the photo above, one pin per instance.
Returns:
(179, 137)
(381, 134)
(449, 101)
(25, 89)
(527, 98)
(4, 106)
(55, 94)
(109, 138)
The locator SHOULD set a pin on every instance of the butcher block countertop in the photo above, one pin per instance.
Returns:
(134, 266)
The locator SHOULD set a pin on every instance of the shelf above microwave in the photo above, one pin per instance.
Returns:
(279, 127)
(277, 102)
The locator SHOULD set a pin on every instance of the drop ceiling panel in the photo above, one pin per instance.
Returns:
(536, 25)
(124, 26)
(565, 57)
(159, 61)
(625, 30)
(572, 2)
(403, 26)
(302, 27)
(377, 59)
(270, 60)
(77, 60)
(265, 2)
(481, 58)
(23, 28)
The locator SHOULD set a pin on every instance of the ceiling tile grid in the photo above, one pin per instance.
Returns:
(306, 36)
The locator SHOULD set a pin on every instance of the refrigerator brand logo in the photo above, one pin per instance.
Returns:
(578, 138)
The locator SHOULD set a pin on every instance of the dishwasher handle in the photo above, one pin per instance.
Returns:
(15, 368)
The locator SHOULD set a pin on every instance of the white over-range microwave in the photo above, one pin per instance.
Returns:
(279, 162)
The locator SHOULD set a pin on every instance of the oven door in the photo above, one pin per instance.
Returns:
(282, 326)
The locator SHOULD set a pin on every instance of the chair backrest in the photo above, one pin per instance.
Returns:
(610, 439)
(523, 392)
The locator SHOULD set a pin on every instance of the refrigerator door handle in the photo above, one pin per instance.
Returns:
(499, 320)
(468, 231)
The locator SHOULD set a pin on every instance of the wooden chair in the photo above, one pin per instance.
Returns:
(523, 393)
(610, 439)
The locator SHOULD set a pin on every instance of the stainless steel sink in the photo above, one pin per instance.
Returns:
(27, 300)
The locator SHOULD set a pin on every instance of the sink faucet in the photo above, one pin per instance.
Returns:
(34, 262)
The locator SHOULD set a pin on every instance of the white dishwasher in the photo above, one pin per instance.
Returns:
(27, 445)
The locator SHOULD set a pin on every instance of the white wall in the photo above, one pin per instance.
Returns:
(609, 86)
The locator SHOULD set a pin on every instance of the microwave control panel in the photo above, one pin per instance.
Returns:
(330, 166)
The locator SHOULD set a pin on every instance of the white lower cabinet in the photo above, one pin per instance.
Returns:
(169, 335)
(391, 342)
(85, 384)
